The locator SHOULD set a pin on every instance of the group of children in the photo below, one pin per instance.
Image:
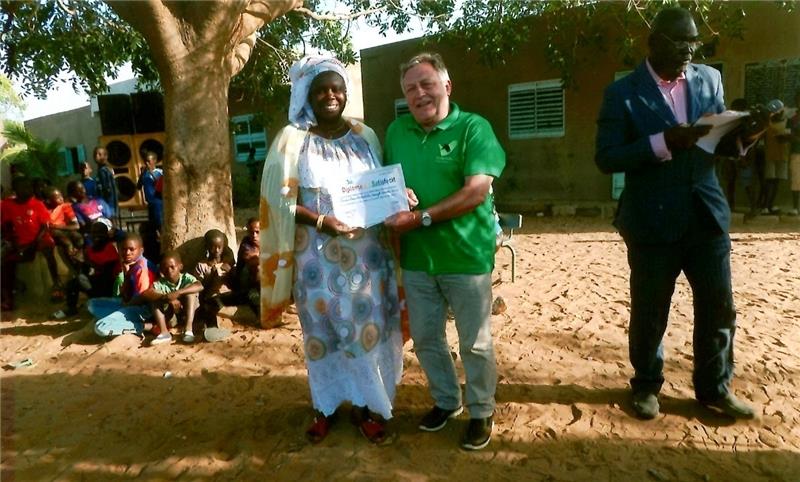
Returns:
(127, 292)
(146, 299)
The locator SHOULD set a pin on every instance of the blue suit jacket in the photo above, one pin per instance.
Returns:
(658, 196)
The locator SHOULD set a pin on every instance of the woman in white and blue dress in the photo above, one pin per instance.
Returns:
(342, 279)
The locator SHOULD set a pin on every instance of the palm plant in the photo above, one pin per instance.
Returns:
(28, 154)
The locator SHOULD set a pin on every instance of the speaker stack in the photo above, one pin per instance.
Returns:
(131, 125)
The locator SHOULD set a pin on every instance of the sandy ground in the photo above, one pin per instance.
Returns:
(236, 410)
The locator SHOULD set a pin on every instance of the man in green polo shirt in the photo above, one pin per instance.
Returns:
(449, 158)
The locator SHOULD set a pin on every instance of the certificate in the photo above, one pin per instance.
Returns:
(367, 198)
(720, 124)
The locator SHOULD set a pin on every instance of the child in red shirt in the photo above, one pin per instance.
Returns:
(24, 221)
(103, 267)
(64, 226)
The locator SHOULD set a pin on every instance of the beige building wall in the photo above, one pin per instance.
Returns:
(73, 127)
(559, 169)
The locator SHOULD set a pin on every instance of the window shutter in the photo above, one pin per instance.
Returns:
(400, 107)
(536, 109)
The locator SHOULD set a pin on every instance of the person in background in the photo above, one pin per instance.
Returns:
(97, 276)
(174, 293)
(213, 271)
(737, 166)
(87, 210)
(672, 215)
(794, 156)
(25, 220)
(106, 185)
(89, 183)
(64, 227)
(128, 312)
(776, 159)
(148, 178)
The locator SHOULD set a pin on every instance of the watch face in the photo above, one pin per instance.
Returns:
(426, 219)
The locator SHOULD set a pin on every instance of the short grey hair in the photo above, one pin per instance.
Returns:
(430, 58)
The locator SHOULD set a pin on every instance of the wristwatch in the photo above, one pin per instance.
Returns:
(427, 220)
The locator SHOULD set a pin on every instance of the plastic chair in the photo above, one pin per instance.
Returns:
(508, 223)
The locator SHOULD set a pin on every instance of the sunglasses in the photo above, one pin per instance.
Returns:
(693, 44)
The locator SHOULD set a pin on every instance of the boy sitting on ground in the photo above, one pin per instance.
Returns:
(128, 312)
(246, 285)
(175, 293)
(213, 272)
(101, 268)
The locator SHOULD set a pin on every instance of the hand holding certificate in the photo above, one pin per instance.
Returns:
(367, 198)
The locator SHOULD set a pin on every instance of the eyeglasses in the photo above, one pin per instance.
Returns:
(693, 44)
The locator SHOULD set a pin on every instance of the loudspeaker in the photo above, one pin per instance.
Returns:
(148, 112)
(154, 142)
(116, 116)
(124, 161)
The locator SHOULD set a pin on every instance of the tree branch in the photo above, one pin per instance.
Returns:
(256, 14)
(337, 16)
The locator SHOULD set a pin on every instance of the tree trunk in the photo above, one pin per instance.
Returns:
(197, 167)
(197, 48)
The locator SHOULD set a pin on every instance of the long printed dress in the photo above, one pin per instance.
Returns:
(345, 291)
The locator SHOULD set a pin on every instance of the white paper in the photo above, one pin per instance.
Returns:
(720, 124)
(367, 198)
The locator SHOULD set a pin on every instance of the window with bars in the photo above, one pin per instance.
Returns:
(400, 107)
(536, 109)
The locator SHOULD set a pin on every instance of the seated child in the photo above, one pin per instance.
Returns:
(64, 226)
(213, 271)
(129, 311)
(87, 210)
(102, 265)
(174, 293)
(246, 287)
(24, 221)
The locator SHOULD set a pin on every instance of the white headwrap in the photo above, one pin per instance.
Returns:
(302, 73)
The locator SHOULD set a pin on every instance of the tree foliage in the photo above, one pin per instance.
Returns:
(88, 41)
(10, 102)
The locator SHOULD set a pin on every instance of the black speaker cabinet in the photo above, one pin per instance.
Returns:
(116, 116)
(148, 112)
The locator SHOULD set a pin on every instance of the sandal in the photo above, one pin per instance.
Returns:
(374, 431)
(319, 429)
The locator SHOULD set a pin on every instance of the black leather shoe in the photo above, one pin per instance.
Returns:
(645, 404)
(478, 434)
(732, 407)
(436, 419)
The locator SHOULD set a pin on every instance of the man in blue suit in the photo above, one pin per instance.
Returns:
(672, 214)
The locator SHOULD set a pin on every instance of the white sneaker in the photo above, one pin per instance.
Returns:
(161, 339)
(188, 337)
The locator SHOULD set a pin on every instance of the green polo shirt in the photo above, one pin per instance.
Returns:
(434, 165)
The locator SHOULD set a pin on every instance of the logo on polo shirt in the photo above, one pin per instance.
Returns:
(446, 149)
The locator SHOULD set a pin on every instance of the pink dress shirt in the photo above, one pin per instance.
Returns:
(674, 94)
